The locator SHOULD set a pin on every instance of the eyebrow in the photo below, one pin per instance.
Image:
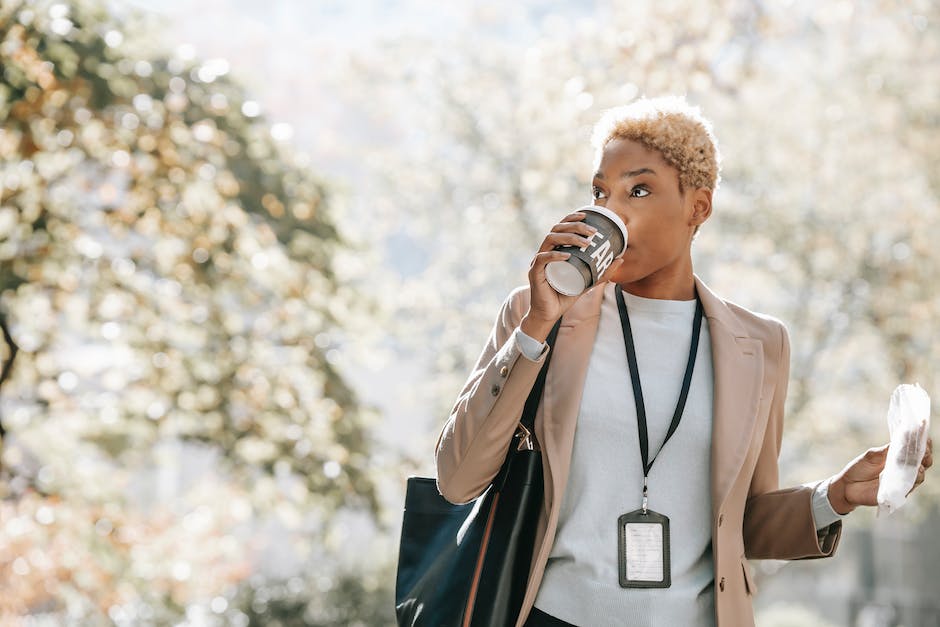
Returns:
(626, 175)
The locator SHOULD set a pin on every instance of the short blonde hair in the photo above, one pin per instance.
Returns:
(672, 127)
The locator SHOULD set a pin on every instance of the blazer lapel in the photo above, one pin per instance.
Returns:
(737, 362)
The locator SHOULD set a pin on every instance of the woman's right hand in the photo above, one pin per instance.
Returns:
(546, 305)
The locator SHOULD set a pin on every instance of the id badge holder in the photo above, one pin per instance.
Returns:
(644, 550)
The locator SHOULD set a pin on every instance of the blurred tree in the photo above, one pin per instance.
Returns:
(166, 271)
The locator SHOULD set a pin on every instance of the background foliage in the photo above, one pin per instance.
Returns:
(166, 267)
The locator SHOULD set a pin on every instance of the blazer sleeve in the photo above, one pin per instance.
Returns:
(778, 523)
(473, 442)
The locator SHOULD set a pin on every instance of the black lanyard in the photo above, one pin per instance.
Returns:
(638, 392)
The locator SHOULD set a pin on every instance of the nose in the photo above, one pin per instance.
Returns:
(621, 212)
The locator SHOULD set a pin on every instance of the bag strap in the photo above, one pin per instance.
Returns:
(532, 403)
(528, 413)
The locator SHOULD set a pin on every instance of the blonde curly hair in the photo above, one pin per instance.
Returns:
(672, 127)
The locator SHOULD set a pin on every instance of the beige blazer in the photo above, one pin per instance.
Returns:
(751, 516)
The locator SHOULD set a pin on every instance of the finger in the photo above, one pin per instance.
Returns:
(919, 480)
(575, 227)
(876, 455)
(574, 216)
(544, 258)
(561, 239)
(915, 440)
(869, 464)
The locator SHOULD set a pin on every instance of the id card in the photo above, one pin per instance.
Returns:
(644, 550)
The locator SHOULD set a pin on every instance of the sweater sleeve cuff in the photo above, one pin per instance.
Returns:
(823, 514)
(530, 347)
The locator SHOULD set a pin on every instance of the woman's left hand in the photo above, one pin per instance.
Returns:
(857, 484)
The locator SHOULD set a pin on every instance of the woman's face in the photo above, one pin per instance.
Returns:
(638, 185)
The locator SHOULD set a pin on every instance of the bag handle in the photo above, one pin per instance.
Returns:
(527, 422)
(532, 402)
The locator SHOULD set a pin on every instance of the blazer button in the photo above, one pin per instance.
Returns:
(721, 584)
(494, 390)
(504, 371)
(721, 518)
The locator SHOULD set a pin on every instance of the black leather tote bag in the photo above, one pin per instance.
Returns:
(468, 565)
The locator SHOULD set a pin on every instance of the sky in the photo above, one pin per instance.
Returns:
(286, 51)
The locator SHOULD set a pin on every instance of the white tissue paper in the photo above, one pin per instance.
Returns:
(908, 425)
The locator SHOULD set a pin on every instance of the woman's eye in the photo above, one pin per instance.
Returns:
(597, 192)
(639, 188)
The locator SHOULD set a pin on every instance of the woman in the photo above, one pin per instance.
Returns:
(626, 350)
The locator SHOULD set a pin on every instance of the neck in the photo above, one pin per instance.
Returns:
(666, 284)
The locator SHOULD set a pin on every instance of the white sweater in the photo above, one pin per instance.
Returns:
(580, 583)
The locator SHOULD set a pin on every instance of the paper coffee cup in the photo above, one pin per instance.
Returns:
(587, 265)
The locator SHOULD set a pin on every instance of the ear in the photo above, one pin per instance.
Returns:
(701, 206)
